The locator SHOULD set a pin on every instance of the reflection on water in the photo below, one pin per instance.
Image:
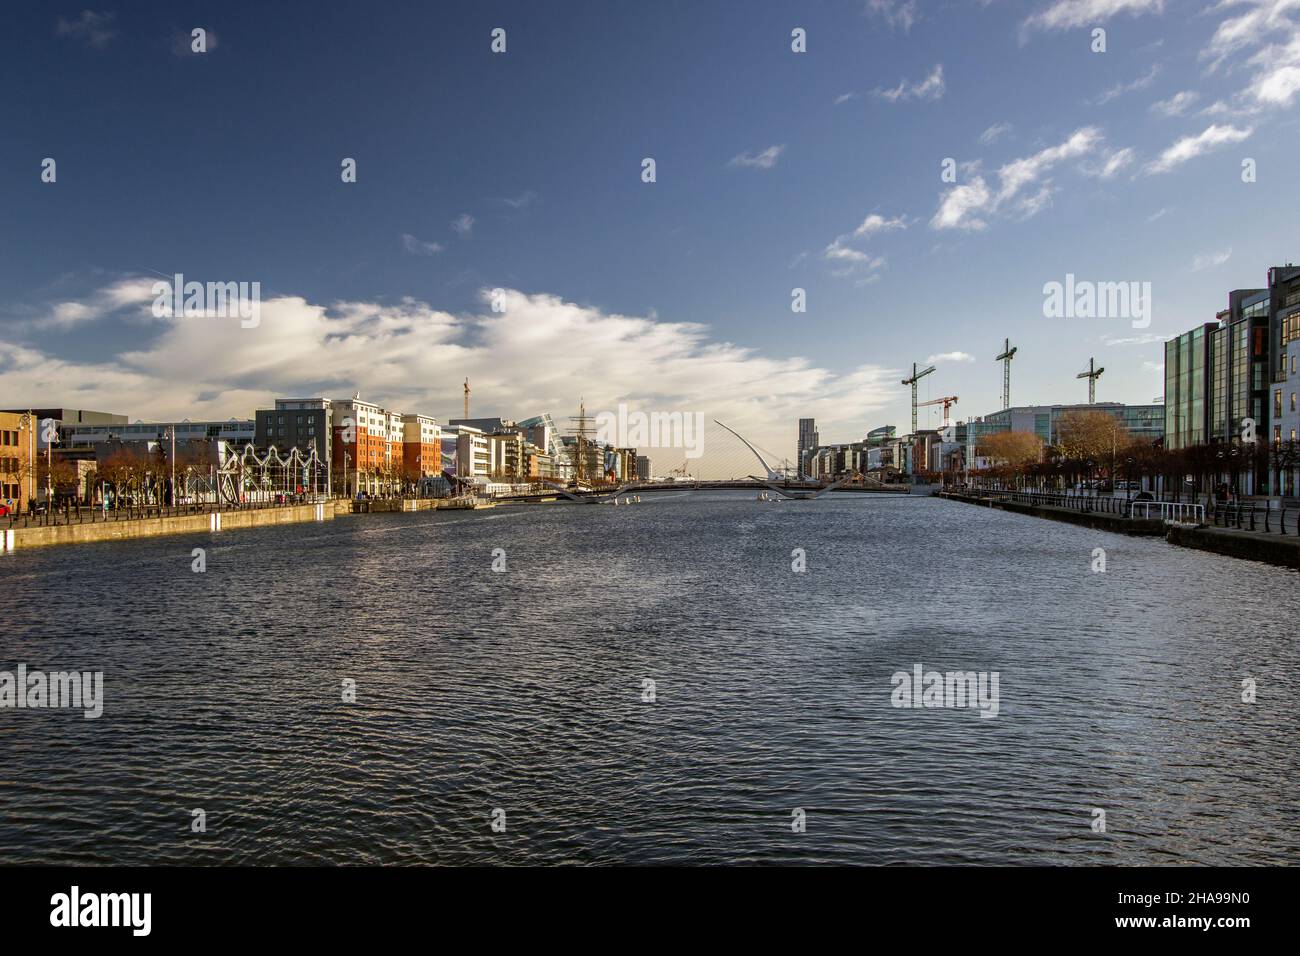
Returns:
(523, 691)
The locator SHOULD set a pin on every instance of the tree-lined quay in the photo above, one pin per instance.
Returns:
(1096, 453)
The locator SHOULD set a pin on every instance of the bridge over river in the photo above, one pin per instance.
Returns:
(726, 457)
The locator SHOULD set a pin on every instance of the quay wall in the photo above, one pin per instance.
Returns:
(1271, 548)
(83, 533)
(1153, 527)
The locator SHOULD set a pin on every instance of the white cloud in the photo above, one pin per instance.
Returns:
(529, 358)
(840, 251)
(764, 160)
(419, 247)
(1067, 14)
(1211, 259)
(62, 316)
(463, 224)
(943, 357)
(963, 207)
(845, 97)
(900, 14)
(1112, 162)
(875, 223)
(994, 133)
(1119, 89)
(1176, 105)
(1276, 78)
(1190, 147)
(931, 88)
(94, 29)
(522, 201)
(837, 251)
(1262, 18)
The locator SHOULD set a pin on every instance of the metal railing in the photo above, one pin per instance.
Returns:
(1255, 516)
(1085, 504)
(1169, 511)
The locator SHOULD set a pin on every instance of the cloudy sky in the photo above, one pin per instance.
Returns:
(522, 171)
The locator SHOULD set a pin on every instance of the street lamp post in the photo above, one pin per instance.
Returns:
(25, 424)
(172, 430)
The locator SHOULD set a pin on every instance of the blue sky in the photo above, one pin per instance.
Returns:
(522, 171)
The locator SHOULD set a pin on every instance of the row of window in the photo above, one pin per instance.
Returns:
(8, 491)
(8, 437)
(10, 466)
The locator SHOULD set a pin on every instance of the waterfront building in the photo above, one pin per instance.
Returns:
(881, 436)
(421, 446)
(86, 436)
(880, 459)
(808, 443)
(465, 452)
(1144, 422)
(18, 434)
(301, 423)
(367, 445)
(642, 468)
(487, 426)
(1223, 377)
(623, 463)
(541, 431)
(507, 456)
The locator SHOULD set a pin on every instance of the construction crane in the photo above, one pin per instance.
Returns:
(1091, 375)
(948, 401)
(1008, 353)
(916, 376)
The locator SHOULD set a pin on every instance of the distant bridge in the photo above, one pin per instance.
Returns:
(804, 490)
(786, 482)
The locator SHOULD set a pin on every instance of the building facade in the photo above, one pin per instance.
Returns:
(808, 443)
(421, 446)
(17, 459)
(1145, 423)
(302, 423)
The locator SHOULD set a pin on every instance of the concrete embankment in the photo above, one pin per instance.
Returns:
(1249, 545)
(42, 536)
(1089, 519)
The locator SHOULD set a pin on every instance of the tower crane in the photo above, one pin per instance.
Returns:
(916, 376)
(948, 401)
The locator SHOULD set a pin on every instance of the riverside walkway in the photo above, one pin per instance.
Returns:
(1248, 530)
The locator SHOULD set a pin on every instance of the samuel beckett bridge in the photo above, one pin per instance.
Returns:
(719, 458)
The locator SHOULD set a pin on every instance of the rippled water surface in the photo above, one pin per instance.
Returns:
(523, 691)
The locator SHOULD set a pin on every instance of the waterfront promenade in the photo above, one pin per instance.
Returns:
(1250, 532)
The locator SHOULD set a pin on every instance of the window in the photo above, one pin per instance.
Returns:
(1293, 401)
(1277, 403)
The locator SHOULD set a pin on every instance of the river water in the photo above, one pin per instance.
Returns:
(524, 691)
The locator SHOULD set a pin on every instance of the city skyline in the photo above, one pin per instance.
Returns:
(775, 171)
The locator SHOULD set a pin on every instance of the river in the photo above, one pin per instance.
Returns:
(525, 691)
